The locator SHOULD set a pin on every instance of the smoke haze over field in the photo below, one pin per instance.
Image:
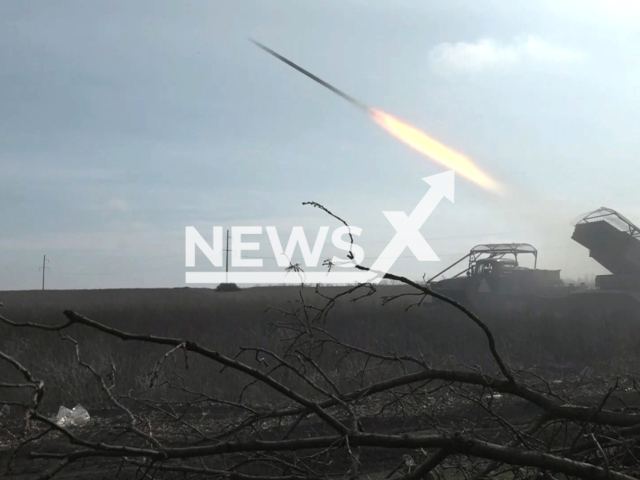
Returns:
(123, 123)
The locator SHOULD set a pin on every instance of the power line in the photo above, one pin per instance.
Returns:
(227, 250)
(44, 269)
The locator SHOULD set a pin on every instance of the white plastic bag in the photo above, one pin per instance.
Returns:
(77, 417)
(62, 417)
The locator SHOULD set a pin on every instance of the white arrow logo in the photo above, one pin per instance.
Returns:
(408, 227)
(407, 236)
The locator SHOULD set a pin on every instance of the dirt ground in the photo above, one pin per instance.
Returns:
(582, 388)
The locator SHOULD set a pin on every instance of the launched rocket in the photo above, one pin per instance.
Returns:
(408, 134)
(348, 98)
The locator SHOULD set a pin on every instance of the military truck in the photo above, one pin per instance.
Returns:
(494, 281)
(614, 242)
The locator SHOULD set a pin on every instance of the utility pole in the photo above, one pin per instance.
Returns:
(226, 280)
(44, 269)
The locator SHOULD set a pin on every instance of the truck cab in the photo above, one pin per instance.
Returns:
(494, 278)
(493, 267)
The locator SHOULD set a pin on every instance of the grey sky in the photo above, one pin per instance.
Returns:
(124, 122)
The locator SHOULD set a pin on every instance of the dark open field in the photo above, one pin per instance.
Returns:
(227, 321)
(559, 350)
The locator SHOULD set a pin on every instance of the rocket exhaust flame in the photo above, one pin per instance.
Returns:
(433, 149)
(404, 132)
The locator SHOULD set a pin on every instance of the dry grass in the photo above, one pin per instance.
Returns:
(227, 321)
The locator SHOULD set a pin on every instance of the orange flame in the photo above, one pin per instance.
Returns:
(433, 149)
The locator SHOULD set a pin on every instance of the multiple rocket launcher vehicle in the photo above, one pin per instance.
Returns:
(494, 281)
